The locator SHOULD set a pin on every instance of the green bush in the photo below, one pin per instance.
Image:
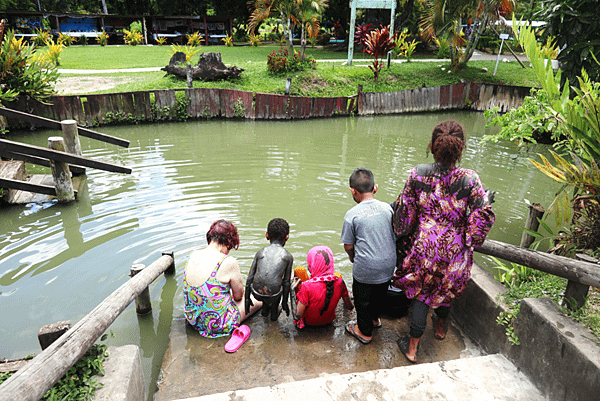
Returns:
(23, 71)
(279, 62)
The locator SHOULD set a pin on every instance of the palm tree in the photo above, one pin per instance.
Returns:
(284, 9)
(308, 16)
(443, 20)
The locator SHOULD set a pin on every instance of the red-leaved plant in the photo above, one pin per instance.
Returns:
(377, 44)
(360, 35)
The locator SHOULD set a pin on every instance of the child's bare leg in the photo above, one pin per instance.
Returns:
(253, 309)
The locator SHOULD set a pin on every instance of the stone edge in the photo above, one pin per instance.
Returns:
(123, 378)
(556, 353)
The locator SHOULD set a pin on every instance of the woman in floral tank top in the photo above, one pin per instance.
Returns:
(212, 284)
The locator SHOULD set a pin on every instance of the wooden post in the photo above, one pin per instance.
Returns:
(576, 293)
(51, 332)
(71, 137)
(61, 173)
(171, 269)
(142, 301)
(288, 85)
(33, 380)
(536, 212)
(188, 74)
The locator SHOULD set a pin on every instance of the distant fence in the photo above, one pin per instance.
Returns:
(203, 103)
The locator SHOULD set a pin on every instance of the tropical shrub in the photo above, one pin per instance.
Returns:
(132, 38)
(64, 39)
(83, 40)
(189, 51)
(41, 37)
(377, 44)
(254, 40)
(228, 40)
(194, 39)
(279, 62)
(161, 40)
(403, 47)
(23, 71)
(576, 153)
(360, 34)
(102, 38)
(54, 51)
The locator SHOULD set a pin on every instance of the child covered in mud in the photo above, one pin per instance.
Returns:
(319, 295)
(271, 270)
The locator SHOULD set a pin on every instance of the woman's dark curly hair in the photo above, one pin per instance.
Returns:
(225, 233)
(447, 143)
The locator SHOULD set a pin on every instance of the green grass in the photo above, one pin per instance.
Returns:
(329, 78)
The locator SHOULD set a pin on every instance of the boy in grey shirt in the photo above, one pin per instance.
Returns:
(370, 242)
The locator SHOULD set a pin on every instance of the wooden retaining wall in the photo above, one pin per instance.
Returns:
(203, 103)
(472, 96)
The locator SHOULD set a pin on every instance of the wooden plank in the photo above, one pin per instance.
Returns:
(28, 186)
(13, 365)
(37, 160)
(45, 122)
(445, 96)
(142, 106)
(61, 156)
(33, 380)
(575, 270)
(128, 107)
(93, 115)
(298, 107)
(59, 108)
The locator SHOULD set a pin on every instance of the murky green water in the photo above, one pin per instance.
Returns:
(57, 262)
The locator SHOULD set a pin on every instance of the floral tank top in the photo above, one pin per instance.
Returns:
(210, 307)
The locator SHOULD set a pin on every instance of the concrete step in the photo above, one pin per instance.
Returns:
(490, 377)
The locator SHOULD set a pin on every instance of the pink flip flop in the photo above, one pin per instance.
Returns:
(238, 337)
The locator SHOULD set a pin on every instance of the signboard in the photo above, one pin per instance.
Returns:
(504, 36)
(372, 3)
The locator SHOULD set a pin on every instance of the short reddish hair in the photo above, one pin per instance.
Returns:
(225, 233)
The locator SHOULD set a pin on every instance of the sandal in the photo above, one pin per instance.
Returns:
(403, 344)
(350, 330)
(440, 327)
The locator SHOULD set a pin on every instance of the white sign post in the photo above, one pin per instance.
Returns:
(354, 4)
(502, 36)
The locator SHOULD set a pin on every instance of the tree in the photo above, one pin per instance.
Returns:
(443, 19)
(283, 9)
(309, 16)
(575, 25)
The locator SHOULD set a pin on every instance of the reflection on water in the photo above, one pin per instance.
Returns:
(57, 262)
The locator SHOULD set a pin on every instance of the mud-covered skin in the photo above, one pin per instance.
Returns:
(269, 279)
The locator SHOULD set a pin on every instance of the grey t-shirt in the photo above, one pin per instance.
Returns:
(368, 226)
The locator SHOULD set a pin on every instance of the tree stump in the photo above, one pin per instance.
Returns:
(210, 67)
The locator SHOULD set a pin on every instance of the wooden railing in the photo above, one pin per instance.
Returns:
(32, 381)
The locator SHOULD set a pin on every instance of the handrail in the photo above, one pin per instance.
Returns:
(574, 270)
(31, 382)
(48, 123)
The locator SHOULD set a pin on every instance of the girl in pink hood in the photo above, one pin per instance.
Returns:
(318, 296)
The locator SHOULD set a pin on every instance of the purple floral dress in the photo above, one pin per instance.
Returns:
(446, 212)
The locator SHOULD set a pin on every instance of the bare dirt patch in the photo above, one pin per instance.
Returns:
(76, 85)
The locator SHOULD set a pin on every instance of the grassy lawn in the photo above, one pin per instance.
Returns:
(329, 78)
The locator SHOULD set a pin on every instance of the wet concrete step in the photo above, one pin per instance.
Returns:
(490, 377)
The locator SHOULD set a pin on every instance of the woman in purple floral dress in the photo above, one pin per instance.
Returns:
(446, 210)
